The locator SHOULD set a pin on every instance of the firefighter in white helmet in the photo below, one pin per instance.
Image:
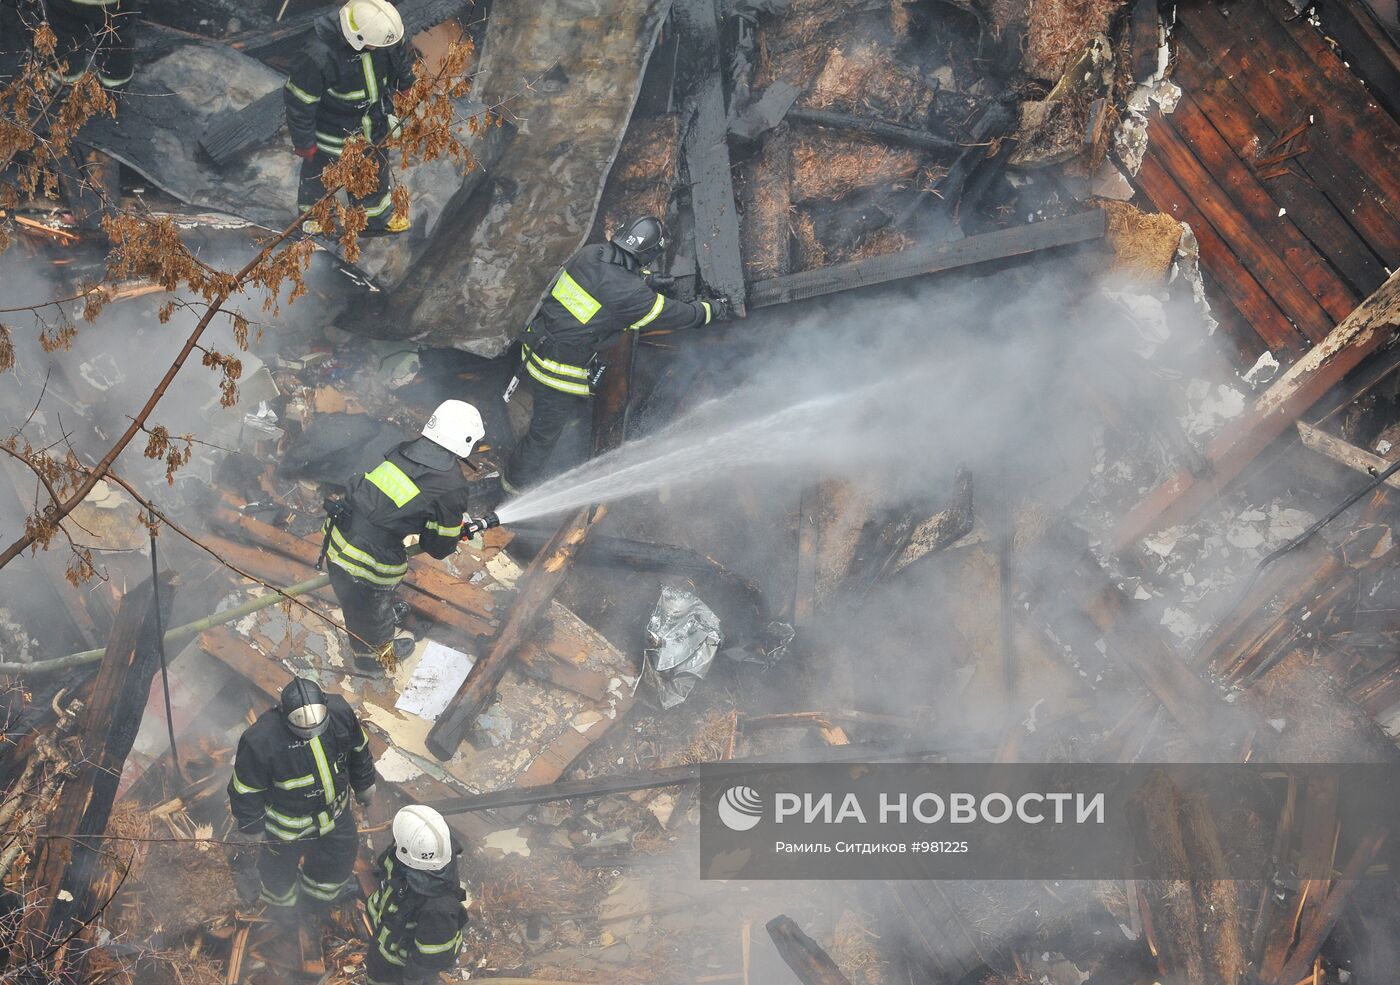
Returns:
(341, 84)
(419, 489)
(418, 910)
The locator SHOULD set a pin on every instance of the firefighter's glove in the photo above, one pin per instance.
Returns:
(305, 153)
(395, 126)
(365, 796)
(721, 309)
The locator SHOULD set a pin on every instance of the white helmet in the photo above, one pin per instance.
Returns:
(456, 425)
(421, 838)
(370, 24)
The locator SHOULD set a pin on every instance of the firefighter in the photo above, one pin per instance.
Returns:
(418, 489)
(601, 292)
(342, 83)
(293, 775)
(94, 35)
(418, 911)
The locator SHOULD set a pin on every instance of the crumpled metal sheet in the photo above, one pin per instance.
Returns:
(568, 74)
(683, 636)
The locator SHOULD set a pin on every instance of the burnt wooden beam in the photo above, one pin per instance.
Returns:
(1345, 453)
(882, 130)
(933, 214)
(669, 776)
(1296, 579)
(1145, 38)
(70, 848)
(1268, 923)
(1314, 933)
(705, 149)
(918, 261)
(1066, 561)
(1367, 329)
(811, 964)
(541, 580)
(1198, 924)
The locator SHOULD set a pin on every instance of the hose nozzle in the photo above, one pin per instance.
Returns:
(482, 524)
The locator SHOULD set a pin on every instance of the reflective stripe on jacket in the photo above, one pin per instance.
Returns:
(333, 90)
(597, 295)
(416, 919)
(417, 489)
(294, 788)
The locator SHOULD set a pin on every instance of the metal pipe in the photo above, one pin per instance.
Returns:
(176, 636)
(180, 635)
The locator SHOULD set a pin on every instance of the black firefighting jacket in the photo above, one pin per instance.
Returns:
(295, 788)
(417, 489)
(599, 294)
(416, 918)
(334, 90)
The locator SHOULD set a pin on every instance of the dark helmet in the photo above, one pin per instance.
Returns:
(642, 237)
(304, 708)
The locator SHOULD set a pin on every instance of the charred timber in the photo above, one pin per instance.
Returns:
(919, 261)
(541, 580)
(811, 964)
(890, 133)
(669, 776)
(68, 859)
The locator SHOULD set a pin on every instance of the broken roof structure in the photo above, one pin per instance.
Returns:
(1061, 426)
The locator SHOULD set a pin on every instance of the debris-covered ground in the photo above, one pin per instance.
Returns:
(1056, 428)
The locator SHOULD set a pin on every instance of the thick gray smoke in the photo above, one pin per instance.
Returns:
(905, 389)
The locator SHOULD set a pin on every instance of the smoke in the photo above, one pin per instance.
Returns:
(905, 388)
(82, 397)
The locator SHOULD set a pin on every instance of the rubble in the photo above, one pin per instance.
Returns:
(1182, 551)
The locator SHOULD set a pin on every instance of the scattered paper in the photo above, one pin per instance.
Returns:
(440, 672)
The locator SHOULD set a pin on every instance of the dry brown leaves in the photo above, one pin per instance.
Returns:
(39, 116)
(38, 121)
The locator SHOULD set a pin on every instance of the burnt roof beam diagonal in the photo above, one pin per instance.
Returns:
(705, 149)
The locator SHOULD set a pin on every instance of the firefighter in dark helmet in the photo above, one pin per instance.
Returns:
(601, 292)
(294, 773)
